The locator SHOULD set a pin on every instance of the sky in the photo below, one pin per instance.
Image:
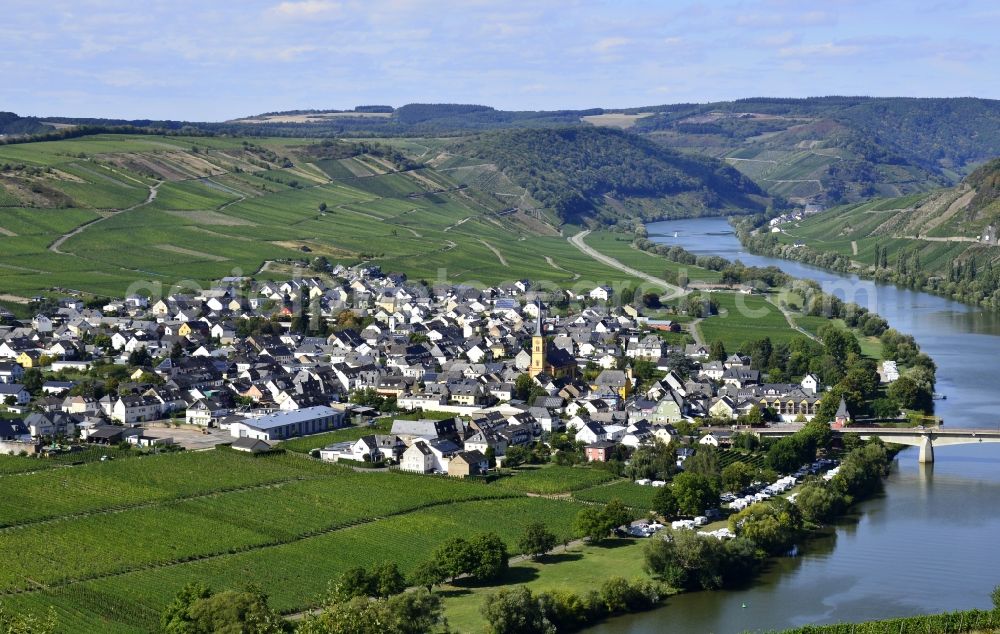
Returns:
(212, 60)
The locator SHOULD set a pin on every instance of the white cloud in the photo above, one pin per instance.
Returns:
(826, 49)
(304, 9)
(782, 40)
(608, 44)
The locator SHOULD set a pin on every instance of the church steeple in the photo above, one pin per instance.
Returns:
(537, 345)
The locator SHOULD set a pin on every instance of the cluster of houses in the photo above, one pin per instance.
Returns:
(247, 357)
(811, 209)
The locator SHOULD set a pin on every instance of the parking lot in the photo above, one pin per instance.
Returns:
(191, 438)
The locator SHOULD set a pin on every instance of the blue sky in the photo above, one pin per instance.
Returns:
(209, 60)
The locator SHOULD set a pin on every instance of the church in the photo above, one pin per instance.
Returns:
(547, 358)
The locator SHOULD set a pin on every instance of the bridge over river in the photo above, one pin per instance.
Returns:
(925, 438)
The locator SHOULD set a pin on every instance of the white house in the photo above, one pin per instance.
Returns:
(602, 293)
(810, 383)
(591, 433)
(135, 409)
(14, 391)
(418, 458)
(10, 372)
(709, 439)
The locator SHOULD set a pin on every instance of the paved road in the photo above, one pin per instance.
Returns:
(577, 241)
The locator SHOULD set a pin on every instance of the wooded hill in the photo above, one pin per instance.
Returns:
(828, 150)
(580, 171)
(838, 149)
(944, 241)
(11, 124)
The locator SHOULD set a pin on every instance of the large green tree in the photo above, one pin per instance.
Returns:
(536, 540)
(695, 493)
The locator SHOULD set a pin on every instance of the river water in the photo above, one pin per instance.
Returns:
(929, 543)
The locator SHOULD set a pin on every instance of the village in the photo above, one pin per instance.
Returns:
(237, 364)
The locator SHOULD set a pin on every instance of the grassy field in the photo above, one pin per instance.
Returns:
(619, 246)
(745, 318)
(223, 207)
(579, 570)
(108, 544)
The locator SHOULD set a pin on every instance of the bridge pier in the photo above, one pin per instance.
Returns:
(926, 450)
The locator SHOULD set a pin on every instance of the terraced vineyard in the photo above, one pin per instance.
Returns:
(744, 318)
(106, 213)
(729, 456)
(631, 494)
(109, 544)
(553, 480)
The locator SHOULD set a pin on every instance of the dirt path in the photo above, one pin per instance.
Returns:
(695, 332)
(459, 223)
(54, 247)
(788, 318)
(732, 158)
(496, 252)
(577, 241)
(956, 206)
(941, 239)
(553, 264)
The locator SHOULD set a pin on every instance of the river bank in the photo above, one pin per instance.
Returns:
(923, 545)
(903, 275)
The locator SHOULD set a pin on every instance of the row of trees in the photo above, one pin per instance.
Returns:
(360, 601)
(518, 610)
(687, 561)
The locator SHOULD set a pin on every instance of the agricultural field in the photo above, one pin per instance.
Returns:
(20, 464)
(619, 246)
(745, 318)
(551, 480)
(631, 494)
(579, 570)
(109, 214)
(729, 456)
(109, 544)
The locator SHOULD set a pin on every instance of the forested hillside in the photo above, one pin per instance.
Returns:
(836, 149)
(827, 150)
(575, 171)
(943, 241)
(11, 124)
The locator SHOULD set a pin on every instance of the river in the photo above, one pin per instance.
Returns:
(926, 544)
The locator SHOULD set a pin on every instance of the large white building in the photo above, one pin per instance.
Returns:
(288, 424)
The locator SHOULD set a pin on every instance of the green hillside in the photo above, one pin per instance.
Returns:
(110, 213)
(942, 241)
(837, 149)
(575, 170)
(830, 150)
